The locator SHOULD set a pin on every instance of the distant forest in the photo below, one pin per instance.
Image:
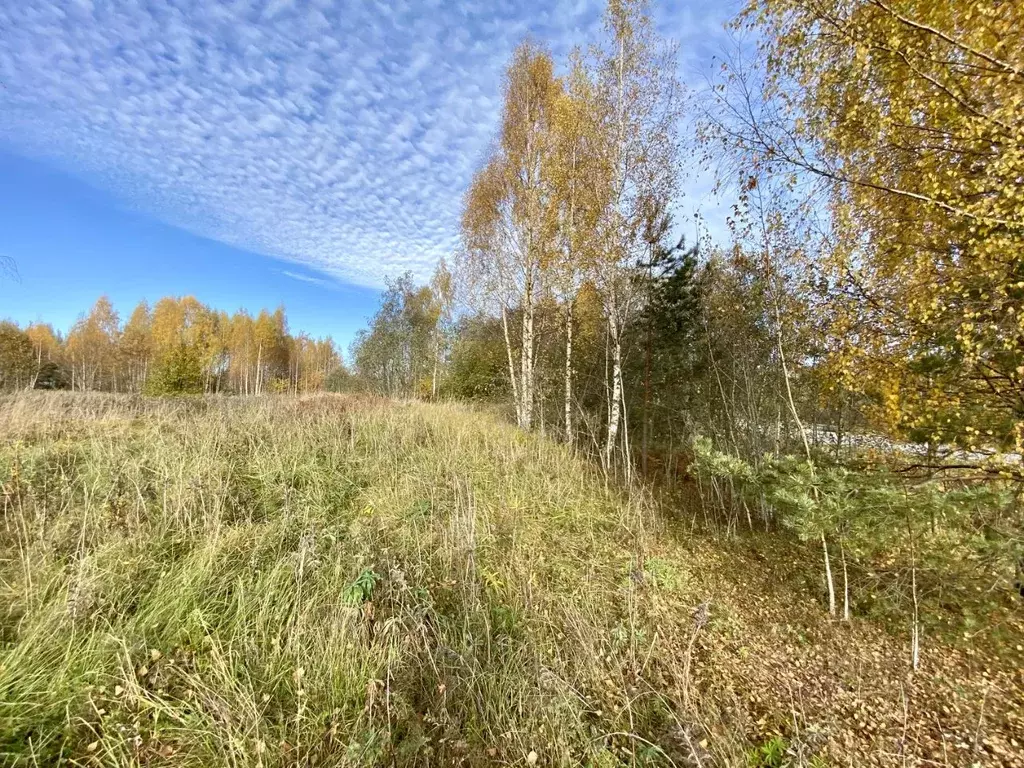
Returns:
(178, 346)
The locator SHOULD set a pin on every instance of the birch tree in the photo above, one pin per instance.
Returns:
(507, 214)
(442, 295)
(46, 345)
(638, 107)
(577, 178)
(17, 364)
(92, 347)
(137, 346)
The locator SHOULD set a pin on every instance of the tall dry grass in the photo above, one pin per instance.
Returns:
(320, 581)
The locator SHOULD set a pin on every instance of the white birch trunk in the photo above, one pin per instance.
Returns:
(511, 367)
(39, 363)
(615, 404)
(846, 583)
(915, 631)
(437, 356)
(828, 577)
(526, 360)
(570, 436)
(259, 368)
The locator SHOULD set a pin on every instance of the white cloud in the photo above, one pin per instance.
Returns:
(307, 278)
(335, 135)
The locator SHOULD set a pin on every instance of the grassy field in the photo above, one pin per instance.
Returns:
(332, 581)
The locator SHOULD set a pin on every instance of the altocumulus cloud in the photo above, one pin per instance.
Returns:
(336, 135)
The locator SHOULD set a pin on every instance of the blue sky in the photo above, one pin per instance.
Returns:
(255, 152)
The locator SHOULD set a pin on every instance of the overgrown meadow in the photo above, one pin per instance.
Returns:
(307, 582)
(341, 581)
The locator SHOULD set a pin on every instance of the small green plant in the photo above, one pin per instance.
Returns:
(770, 754)
(361, 590)
(662, 573)
(420, 509)
(650, 756)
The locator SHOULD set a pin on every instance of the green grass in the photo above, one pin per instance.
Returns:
(315, 582)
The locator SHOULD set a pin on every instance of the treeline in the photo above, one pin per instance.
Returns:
(873, 276)
(848, 364)
(177, 346)
(573, 297)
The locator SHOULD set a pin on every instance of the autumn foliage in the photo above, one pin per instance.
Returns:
(178, 346)
(901, 119)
